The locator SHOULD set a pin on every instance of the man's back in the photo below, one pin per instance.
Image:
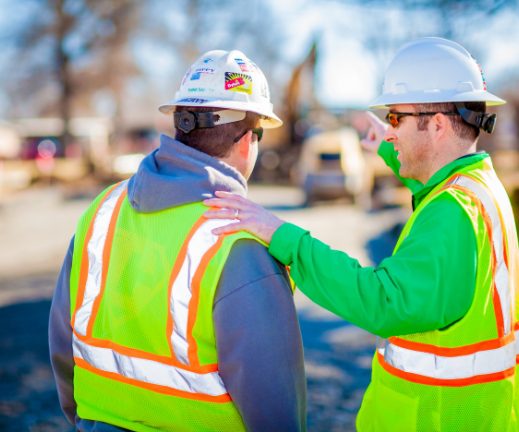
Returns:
(256, 338)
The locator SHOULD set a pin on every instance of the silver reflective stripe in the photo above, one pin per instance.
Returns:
(501, 276)
(181, 292)
(517, 342)
(149, 371)
(95, 250)
(441, 367)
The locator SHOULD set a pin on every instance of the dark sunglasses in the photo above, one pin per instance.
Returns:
(256, 131)
(393, 118)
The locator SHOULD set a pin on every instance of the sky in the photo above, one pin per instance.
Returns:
(349, 74)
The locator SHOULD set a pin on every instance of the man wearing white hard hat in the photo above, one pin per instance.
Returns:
(445, 303)
(158, 324)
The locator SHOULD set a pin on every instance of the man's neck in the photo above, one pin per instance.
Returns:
(450, 152)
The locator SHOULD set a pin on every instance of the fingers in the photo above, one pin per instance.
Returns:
(228, 200)
(223, 203)
(221, 213)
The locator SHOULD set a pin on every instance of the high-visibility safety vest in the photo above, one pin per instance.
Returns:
(142, 288)
(463, 377)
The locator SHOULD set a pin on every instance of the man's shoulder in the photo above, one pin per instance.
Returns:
(250, 264)
(252, 256)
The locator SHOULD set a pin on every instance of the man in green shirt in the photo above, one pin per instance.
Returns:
(446, 298)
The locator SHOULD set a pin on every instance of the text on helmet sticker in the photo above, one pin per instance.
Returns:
(238, 82)
(193, 100)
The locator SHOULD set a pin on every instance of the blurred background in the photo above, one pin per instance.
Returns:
(80, 82)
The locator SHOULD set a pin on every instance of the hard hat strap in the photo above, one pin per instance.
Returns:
(481, 120)
(187, 121)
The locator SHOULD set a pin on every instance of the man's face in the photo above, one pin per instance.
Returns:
(414, 146)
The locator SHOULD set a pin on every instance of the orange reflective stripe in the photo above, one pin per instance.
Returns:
(83, 272)
(174, 273)
(457, 382)
(488, 224)
(454, 351)
(153, 387)
(193, 304)
(106, 259)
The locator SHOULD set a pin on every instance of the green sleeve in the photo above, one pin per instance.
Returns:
(427, 284)
(387, 152)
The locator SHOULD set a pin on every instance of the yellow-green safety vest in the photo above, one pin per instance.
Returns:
(464, 377)
(142, 288)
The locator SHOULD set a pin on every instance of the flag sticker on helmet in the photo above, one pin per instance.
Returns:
(238, 82)
(242, 64)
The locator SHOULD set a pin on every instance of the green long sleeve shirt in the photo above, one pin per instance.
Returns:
(427, 284)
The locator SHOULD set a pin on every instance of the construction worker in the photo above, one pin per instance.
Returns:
(445, 301)
(156, 323)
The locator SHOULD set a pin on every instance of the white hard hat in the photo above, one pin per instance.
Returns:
(225, 79)
(432, 70)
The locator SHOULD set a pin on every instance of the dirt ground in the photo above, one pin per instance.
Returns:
(35, 228)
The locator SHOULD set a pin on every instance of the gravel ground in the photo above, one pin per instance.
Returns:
(35, 228)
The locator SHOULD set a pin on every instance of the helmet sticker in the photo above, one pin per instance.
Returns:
(201, 71)
(238, 82)
(244, 66)
(207, 60)
(483, 77)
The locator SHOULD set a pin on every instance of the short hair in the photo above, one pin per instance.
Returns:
(216, 141)
(462, 129)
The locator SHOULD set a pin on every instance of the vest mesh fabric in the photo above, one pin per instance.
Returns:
(132, 316)
(394, 403)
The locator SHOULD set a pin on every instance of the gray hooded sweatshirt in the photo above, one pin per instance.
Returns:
(260, 354)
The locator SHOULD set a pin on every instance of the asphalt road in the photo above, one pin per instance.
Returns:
(35, 228)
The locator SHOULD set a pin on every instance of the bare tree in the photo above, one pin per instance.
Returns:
(384, 25)
(57, 45)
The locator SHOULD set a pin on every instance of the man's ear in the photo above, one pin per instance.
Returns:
(244, 144)
(439, 125)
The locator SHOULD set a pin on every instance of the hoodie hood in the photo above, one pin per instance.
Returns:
(175, 174)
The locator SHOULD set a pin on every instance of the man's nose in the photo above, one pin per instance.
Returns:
(390, 135)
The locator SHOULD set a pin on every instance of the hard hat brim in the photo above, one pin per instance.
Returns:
(384, 100)
(270, 121)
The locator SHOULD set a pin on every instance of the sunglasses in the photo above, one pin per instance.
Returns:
(256, 131)
(393, 118)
